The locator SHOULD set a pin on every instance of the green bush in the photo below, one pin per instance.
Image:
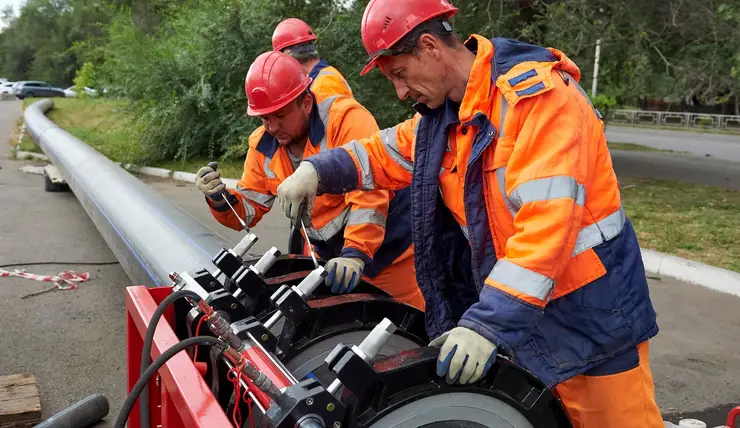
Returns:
(185, 78)
(86, 76)
(605, 104)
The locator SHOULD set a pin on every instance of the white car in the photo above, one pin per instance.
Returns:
(6, 88)
(71, 92)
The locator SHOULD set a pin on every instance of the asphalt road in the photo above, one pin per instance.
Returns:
(721, 146)
(677, 167)
(73, 341)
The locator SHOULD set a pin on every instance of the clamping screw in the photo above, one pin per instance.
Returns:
(233, 306)
(309, 401)
(330, 407)
(337, 424)
(265, 337)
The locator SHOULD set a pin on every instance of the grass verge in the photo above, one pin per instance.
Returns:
(105, 126)
(688, 220)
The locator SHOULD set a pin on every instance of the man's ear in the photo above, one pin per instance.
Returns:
(307, 103)
(429, 44)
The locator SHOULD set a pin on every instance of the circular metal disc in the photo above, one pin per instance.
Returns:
(454, 410)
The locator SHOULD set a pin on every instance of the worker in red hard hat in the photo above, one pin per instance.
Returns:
(295, 38)
(362, 234)
(522, 245)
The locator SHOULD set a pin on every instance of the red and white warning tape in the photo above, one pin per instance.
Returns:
(66, 280)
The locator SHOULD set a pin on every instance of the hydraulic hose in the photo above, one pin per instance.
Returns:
(148, 338)
(128, 404)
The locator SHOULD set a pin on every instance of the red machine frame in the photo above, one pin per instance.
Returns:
(180, 394)
(178, 397)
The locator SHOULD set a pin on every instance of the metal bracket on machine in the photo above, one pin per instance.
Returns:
(307, 404)
(250, 280)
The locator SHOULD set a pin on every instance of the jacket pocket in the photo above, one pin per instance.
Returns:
(577, 331)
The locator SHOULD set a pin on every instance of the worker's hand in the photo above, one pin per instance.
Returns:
(344, 274)
(209, 182)
(465, 356)
(298, 192)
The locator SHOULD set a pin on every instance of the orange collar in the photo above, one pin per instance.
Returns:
(478, 88)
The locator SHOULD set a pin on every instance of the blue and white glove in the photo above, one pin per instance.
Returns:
(344, 274)
(465, 357)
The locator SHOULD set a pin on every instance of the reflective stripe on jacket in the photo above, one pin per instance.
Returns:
(328, 80)
(373, 226)
(556, 277)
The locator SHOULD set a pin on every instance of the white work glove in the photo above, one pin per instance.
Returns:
(460, 344)
(344, 274)
(209, 182)
(299, 188)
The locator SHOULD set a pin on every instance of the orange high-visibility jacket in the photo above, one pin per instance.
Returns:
(526, 177)
(328, 80)
(355, 224)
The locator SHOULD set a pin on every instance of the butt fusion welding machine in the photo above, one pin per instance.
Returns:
(285, 353)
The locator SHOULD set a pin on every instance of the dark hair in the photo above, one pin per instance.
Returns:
(439, 27)
(304, 52)
(299, 99)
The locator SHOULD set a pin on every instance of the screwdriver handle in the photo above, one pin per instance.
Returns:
(214, 166)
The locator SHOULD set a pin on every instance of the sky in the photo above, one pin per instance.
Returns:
(15, 3)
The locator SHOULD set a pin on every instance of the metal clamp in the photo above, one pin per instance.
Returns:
(306, 405)
(291, 301)
(251, 279)
(357, 359)
(241, 248)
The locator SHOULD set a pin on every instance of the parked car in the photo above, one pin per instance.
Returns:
(6, 88)
(34, 88)
(71, 92)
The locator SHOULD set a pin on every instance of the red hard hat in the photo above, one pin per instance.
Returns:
(289, 32)
(274, 79)
(385, 22)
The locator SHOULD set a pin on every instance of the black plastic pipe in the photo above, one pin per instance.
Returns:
(147, 233)
(81, 414)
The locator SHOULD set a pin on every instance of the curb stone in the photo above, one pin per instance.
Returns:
(689, 271)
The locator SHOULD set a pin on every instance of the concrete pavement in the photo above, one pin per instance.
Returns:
(73, 341)
(721, 146)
